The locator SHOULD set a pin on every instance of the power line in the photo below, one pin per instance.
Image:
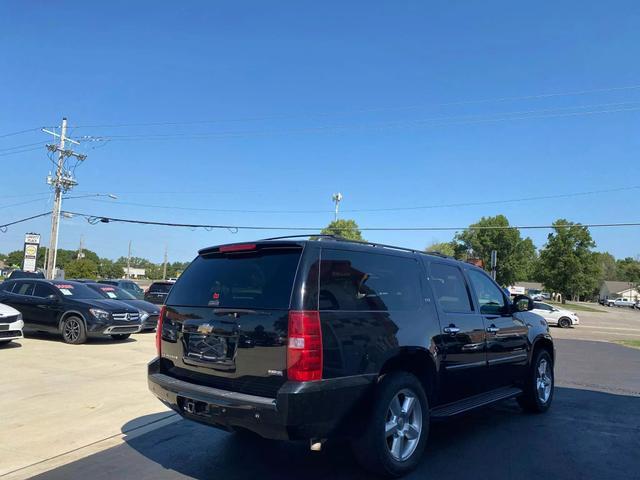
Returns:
(3, 228)
(21, 146)
(95, 219)
(430, 122)
(20, 151)
(388, 209)
(19, 132)
(363, 110)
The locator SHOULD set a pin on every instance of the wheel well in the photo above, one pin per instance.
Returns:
(71, 313)
(419, 363)
(544, 344)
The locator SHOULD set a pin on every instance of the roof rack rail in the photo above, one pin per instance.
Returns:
(328, 235)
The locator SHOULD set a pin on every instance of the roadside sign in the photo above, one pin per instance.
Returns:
(31, 245)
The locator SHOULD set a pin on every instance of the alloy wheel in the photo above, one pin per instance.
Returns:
(544, 381)
(403, 425)
(71, 330)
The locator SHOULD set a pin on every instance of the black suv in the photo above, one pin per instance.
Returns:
(366, 341)
(157, 292)
(69, 308)
(148, 311)
(128, 285)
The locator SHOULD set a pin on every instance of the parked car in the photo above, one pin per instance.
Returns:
(129, 285)
(620, 302)
(16, 274)
(368, 342)
(10, 324)
(69, 308)
(556, 316)
(148, 311)
(158, 291)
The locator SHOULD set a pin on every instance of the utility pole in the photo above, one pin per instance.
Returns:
(337, 198)
(129, 261)
(81, 247)
(494, 263)
(62, 182)
(164, 268)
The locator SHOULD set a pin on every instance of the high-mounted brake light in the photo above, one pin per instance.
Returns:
(304, 351)
(159, 331)
(237, 248)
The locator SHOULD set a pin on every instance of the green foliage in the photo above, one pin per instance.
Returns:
(14, 259)
(108, 269)
(628, 270)
(567, 263)
(446, 248)
(607, 265)
(344, 228)
(516, 256)
(82, 268)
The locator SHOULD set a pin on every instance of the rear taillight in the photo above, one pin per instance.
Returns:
(304, 351)
(159, 330)
(237, 247)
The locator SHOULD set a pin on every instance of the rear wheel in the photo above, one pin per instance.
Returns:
(564, 322)
(73, 330)
(395, 435)
(538, 388)
(120, 336)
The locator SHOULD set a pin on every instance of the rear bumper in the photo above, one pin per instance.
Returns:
(320, 409)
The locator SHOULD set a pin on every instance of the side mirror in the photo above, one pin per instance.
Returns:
(522, 303)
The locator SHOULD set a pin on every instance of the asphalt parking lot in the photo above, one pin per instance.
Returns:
(92, 417)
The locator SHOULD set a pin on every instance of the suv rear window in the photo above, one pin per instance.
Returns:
(261, 279)
(160, 287)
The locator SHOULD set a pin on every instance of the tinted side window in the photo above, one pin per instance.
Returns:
(43, 291)
(450, 288)
(24, 288)
(541, 306)
(360, 281)
(7, 286)
(489, 295)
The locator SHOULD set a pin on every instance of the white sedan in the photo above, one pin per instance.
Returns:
(556, 316)
(11, 324)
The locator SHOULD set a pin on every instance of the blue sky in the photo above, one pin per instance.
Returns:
(394, 104)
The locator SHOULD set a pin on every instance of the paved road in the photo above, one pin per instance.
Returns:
(591, 432)
(608, 323)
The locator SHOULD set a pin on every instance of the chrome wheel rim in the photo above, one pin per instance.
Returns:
(71, 330)
(544, 380)
(403, 425)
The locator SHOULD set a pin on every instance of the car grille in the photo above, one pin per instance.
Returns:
(151, 321)
(122, 317)
(10, 334)
(10, 319)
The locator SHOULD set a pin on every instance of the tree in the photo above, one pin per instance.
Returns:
(81, 268)
(628, 270)
(344, 228)
(108, 269)
(567, 263)
(607, 265)
(516, 257)
(14, 259)
(447, 248)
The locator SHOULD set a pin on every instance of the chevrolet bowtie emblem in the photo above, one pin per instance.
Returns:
(205, 329)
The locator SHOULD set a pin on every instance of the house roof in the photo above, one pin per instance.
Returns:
(617, 287)
(530, 285)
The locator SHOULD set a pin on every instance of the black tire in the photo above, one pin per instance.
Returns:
(564, 322)
(532, 400)
(372, 447)
(120, 336)
(73, 330)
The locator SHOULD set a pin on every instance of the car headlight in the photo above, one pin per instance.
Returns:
(99, 314)
(19, 317)
(143, 315)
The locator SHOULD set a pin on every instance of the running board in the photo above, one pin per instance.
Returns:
(461, 406)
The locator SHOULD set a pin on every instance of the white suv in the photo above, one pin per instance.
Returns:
(556, 316)
(11, 324)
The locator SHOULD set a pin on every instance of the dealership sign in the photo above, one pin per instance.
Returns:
(31, 245)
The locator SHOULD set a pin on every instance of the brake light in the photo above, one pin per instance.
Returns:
(159, 330)
(237, 248)
(304, 351)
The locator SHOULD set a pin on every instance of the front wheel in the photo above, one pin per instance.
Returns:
(120, 336)
(539, 384)
(564, 323)
(74, 331)
(395, 435)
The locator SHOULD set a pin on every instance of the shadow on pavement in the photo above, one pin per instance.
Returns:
(10, 345)
(586, 434)
(51, 337)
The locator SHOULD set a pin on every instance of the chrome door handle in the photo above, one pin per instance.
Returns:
(493, 329)
(451, 330)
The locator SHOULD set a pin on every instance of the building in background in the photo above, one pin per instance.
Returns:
(614, 289)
